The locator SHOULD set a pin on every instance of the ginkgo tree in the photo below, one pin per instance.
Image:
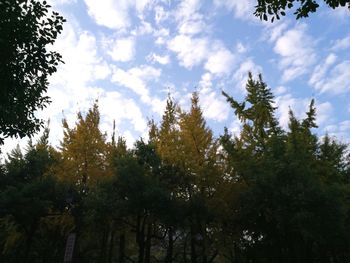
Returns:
(84, 151)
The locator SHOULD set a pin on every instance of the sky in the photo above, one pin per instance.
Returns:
(130, 54)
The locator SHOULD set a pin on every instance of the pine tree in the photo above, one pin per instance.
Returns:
(256, 113)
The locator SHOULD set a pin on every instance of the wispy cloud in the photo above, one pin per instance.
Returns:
(336, 81)
(296, 49)
(154, 58)
(341, 44)
(114, 14)
(241, 9)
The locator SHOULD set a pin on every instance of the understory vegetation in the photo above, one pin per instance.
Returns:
(265, 195)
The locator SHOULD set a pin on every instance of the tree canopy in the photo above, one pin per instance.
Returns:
(274, 9)
(265, 194)
(27, 30)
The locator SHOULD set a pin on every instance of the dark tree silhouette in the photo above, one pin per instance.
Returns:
(276, 8)
(27, 29)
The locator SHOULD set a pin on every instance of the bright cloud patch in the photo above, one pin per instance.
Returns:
(321, 69)
(116, 108)
(220, 62)
(122, 50)
(337, 80)
(136, 79)
(242, 9)
(214, 105)
(300, 106)
(190, 51)
(297, 53)
(163, 60)
(340, 44)
(114, 14)
(241, 74)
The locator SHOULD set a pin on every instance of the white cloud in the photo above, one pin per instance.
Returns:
(321, 69)
(122, 49)
(186, 9)
(129, 138)
(295, 47)
(62, 2)
(136, 79)
(339, 131)
(114, 14)
(241, 74)
(143, 29)
(324, 111)
(241, 9)
(161, 36)
(274, 30)
(190, 51)
(287, 102)
(72, 87)
(206, 80)
(113, 107)
(213, 105)
(300, 106)
(341, 13)
(241, 48)
(160, 14)
(192, 27)
(212, 102)
(341, 44)
(337, 80)
(189, 20)
(235, 127)
(220, 61)
(280, 90)
(154, 58)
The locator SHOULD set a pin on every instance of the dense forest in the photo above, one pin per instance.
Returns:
(267, 194)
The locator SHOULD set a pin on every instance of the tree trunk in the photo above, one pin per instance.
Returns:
(193, 245)
(29, 241)
(140, 238)
(110, 251)
(121, 258)
(148, 244)
(102, 258)
(169, 253)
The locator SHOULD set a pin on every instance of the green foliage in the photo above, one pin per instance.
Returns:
(276, 8)
(264, 195)
(294, 206)
(27, 30)
(29, 195)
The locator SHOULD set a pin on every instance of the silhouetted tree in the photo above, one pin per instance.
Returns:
(276, 8)
(27, 30)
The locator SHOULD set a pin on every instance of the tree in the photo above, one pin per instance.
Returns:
(84, 151)
(276, 8)
(293, 206)
(27, 29)
(256, 113)
(33, 222)
(198, 152)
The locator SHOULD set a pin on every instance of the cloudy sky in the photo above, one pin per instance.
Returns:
(129, 54)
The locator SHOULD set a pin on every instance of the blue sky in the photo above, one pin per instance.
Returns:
(129, 54)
